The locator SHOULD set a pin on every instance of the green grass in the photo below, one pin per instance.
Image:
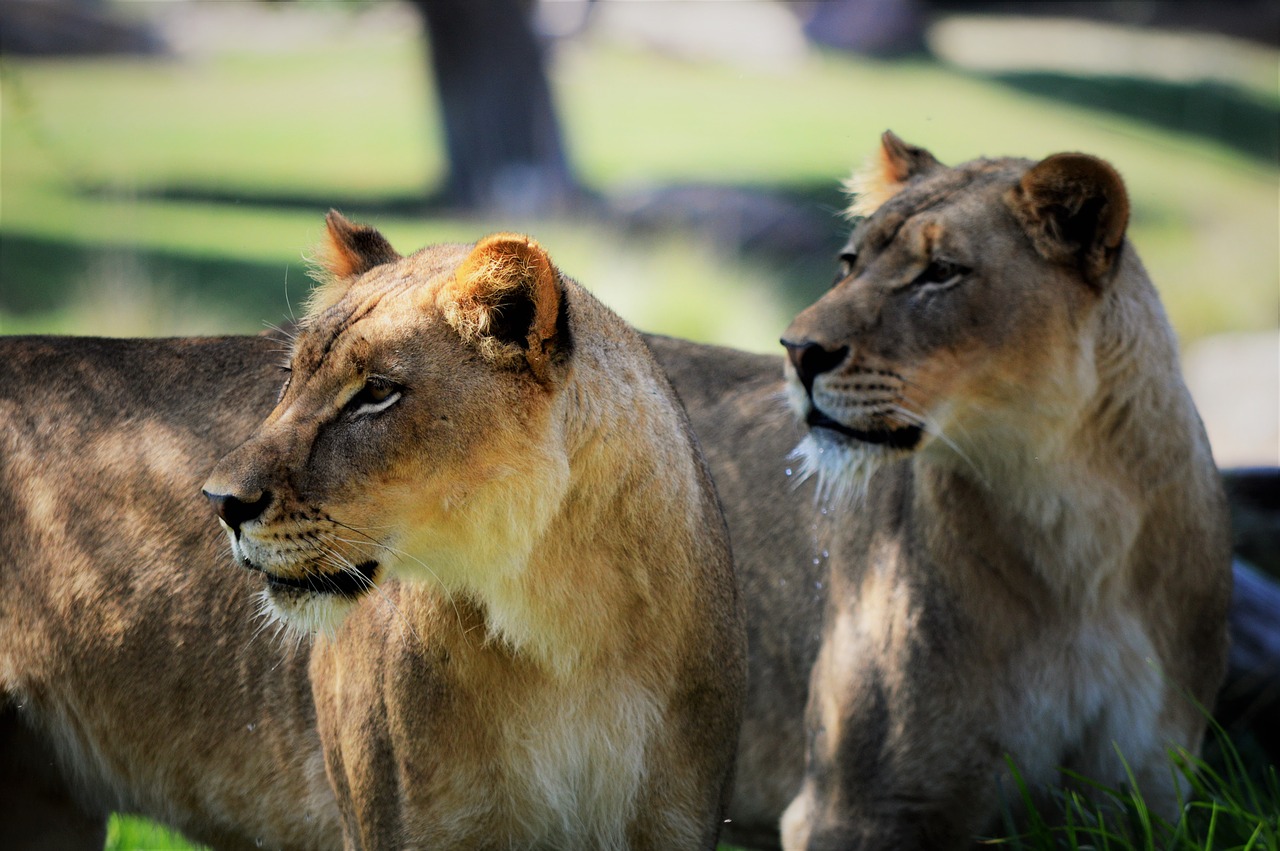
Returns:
(103, 153)
(1232, 805)
(128, 833)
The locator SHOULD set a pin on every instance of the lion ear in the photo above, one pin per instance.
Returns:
(507, 297)
(1075, 209)
(353, 249)
(885, 173)
(349, 250)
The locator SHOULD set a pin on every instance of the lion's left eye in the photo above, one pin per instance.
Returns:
(376, 396)
(847, 259)
(941, 274)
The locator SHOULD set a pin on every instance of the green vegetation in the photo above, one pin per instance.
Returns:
(126, 833)
(232, 159)
(1232, 806)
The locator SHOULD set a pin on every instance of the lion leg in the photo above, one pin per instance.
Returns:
(37, 810)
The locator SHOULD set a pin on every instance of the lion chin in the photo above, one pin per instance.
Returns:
(844, 459)
(318, 603)
(842, 467)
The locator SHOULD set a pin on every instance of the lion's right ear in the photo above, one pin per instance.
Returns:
(885, 173)
(507, 299)
(1075, 209)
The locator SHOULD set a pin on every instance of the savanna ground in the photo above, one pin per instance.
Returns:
(180, 195)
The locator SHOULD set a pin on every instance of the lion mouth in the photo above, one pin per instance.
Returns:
(901, 437)
(350, 583)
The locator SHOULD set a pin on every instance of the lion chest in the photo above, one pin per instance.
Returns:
(1080, 692)
(576, 758)
(479, 746)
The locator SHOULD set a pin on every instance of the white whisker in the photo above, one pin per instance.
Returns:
(408, 557)
(931, 427)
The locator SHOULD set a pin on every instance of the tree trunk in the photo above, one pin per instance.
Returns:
(501, 134)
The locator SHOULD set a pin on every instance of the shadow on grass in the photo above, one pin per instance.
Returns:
(45, 275)
(1237, 119)
(794, 231)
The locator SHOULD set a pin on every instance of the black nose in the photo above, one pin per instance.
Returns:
(236, 511)
(811, 359)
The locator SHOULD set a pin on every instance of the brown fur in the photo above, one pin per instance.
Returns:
(72, 684)
(1044, 574)
(550, 652)
(552, 655)
(134, 675)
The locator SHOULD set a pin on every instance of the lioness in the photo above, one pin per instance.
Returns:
(480, 489)
(1020, 538)
(560, 663)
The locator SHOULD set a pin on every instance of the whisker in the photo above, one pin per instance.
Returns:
(346, 566)
(931, 426)
(457, 613)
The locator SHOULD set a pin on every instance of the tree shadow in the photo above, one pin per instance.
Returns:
(1245, 122)
(42, 275)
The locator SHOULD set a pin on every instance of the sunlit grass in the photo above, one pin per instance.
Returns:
(87, 143)
(128, 833)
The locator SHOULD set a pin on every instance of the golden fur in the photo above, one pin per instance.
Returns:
(1012, 540)
(476, 485)
(553, 653)
(114, 580)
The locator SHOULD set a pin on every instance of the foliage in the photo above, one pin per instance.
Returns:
(1232, 805)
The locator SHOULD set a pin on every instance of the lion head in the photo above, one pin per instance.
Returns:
(959, 292)
(411, 385)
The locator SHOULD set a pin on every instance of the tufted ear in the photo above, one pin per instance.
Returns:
(354, 249)
(885, 173)
(1075, 209)
(349, 250)
(507, 298)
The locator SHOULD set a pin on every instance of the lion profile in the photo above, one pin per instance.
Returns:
(1022, 550)
(1012, 542)
(469, 435)
(475, 486)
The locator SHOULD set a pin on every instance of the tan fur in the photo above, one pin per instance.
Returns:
(134, 674)
(552, 655)
(1045, 574)
(550, 645)
(883, 174)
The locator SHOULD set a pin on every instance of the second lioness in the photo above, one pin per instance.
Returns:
(1021, 539)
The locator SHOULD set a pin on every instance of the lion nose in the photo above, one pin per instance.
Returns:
(812, 359)
(234, 511)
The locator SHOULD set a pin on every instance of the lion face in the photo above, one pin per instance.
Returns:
(954, 302)
(412, 384)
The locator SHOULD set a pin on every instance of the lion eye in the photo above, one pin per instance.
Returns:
(941, 274)
(376, 396)
(284, 388)
(847, 259)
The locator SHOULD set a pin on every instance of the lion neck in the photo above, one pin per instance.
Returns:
(608, 568)
(1065, 481)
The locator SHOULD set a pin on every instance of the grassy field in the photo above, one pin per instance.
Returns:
(124, 181)
(181, 196)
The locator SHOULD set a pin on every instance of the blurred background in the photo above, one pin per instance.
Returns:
(165, 166)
